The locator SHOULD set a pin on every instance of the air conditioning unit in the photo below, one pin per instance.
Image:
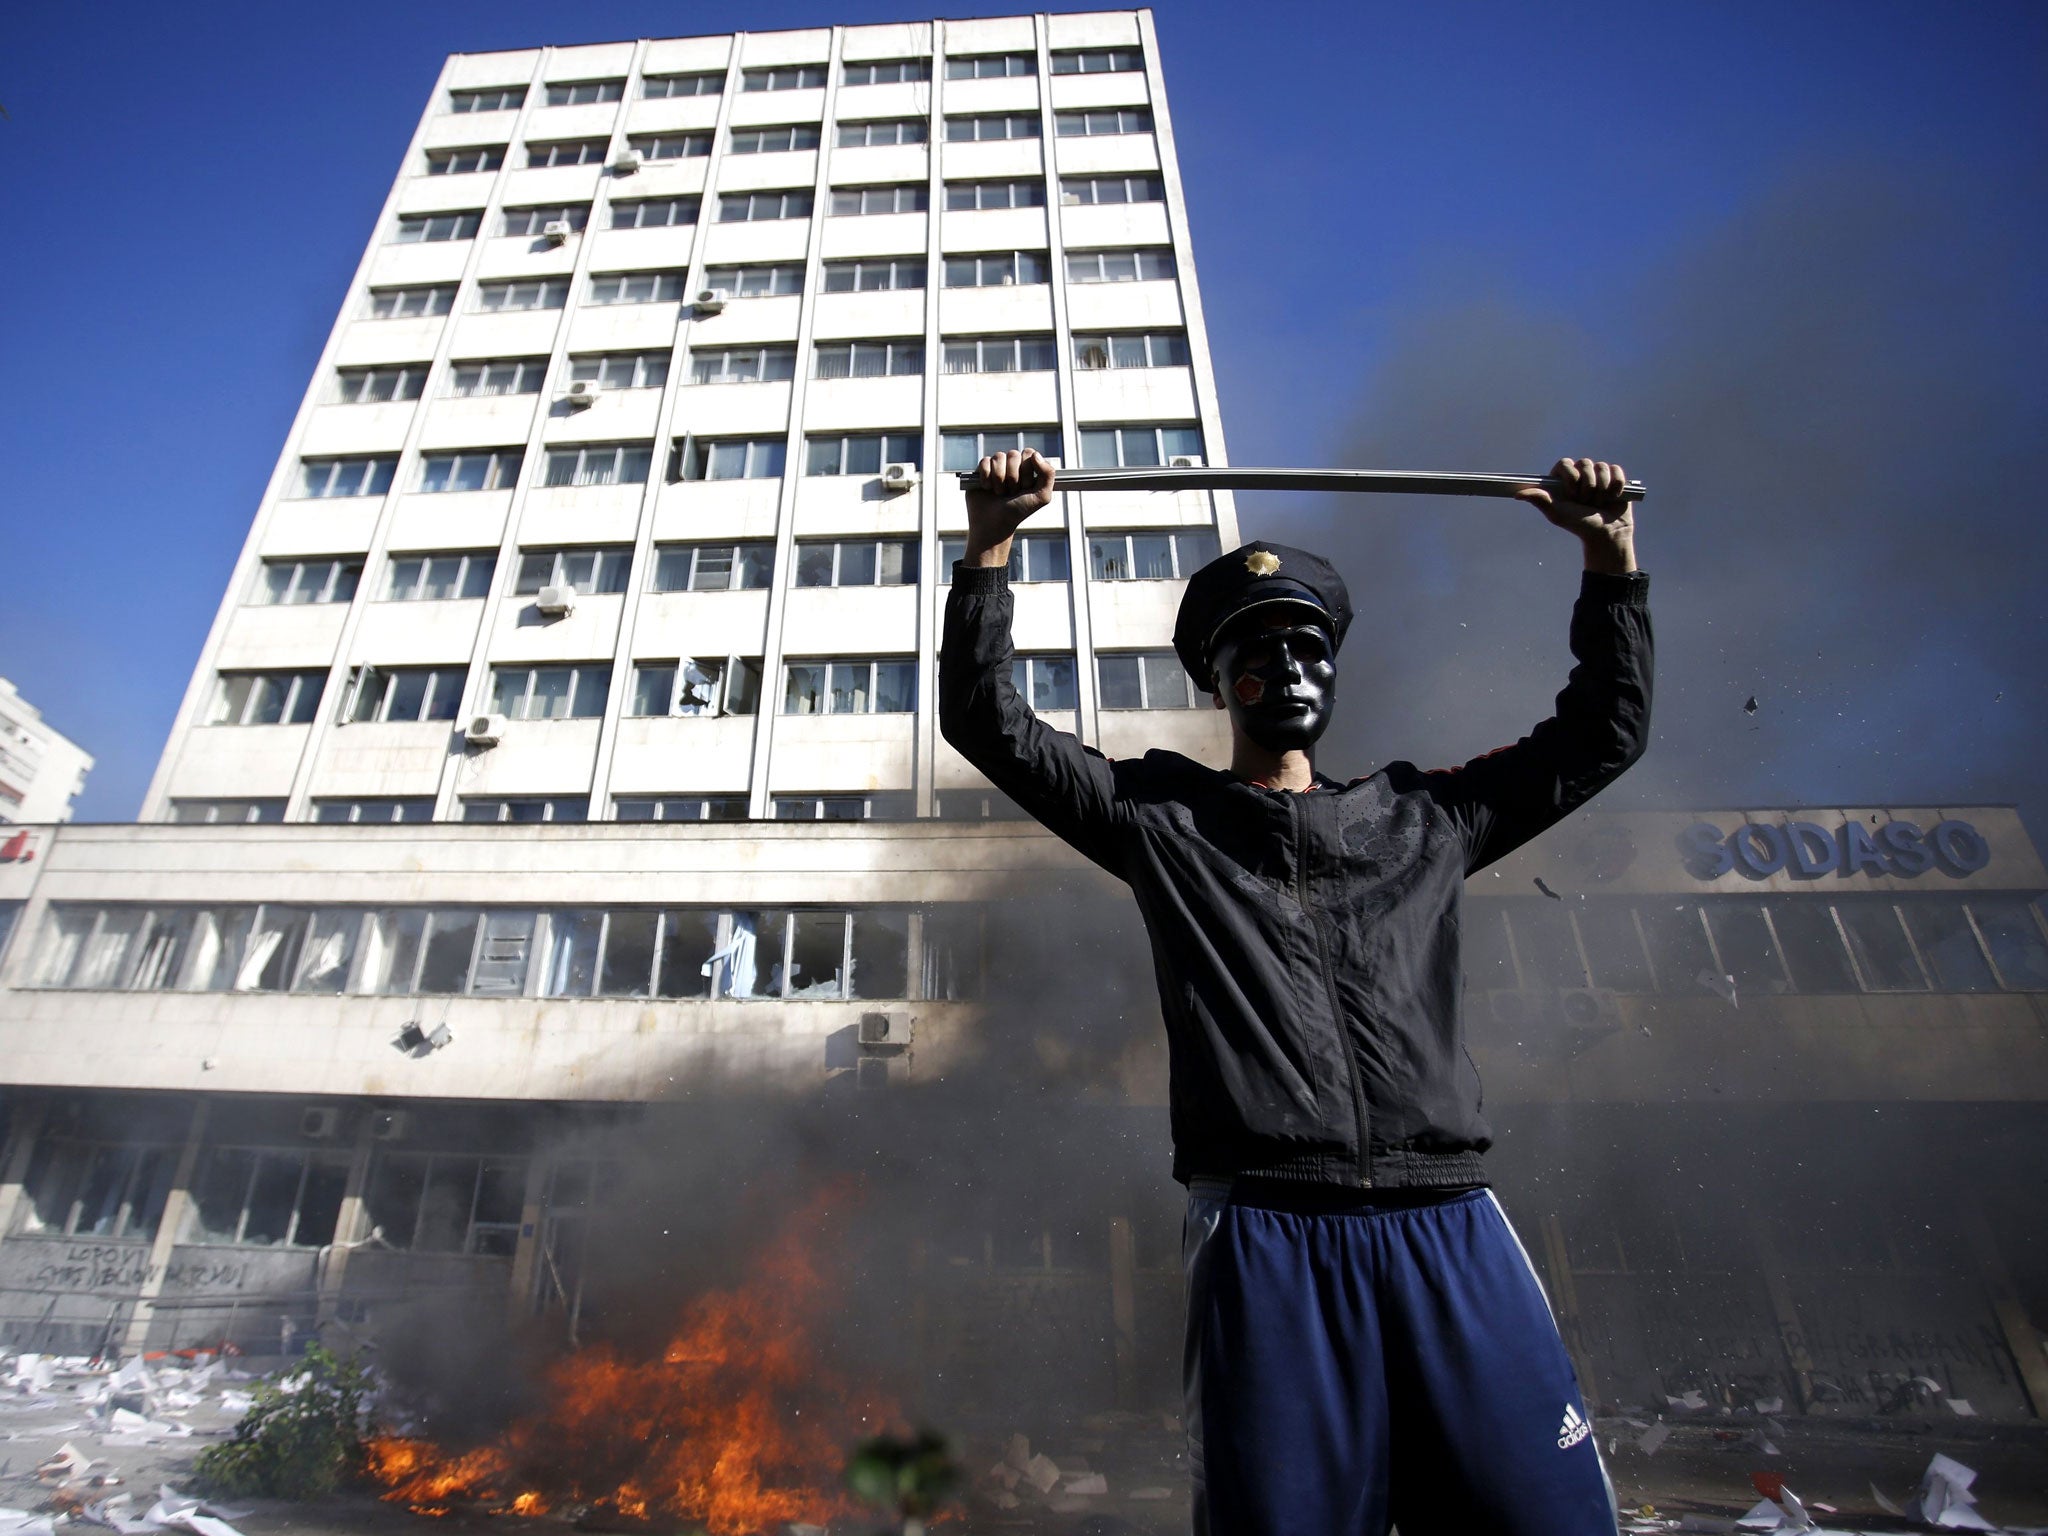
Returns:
(885, 1031)
(391, 1124)
(900, 477)
(555, 231)
(629, 161)
(322, 1122)
(582, 392)
(711, 301)
(556, 602)
(1589, 1010)
(485, 730)
(1184, 461)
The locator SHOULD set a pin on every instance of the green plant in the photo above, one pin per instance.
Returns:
(300, 1444)
(909, 1478)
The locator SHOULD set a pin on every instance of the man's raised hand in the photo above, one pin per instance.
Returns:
(1011, 486)
(1594, 509)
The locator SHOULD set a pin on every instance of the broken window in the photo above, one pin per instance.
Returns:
(1614, 948)
(1742, 936)
(574, 939)
(628, 969)
(266, 1197)
(451, 945)
(1941, 929)
(330, 946)
(97, 1189)
(439, 1203)
(1812, 946)
(817, 955)
(1878, 940)
(391, 949)
(881, 953)
(273, 946)
(951, 962)
(1545, 946)
(688, 940)
(1678, 948)
(501, 958)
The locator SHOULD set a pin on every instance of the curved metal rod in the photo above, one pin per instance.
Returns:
(1208, 478)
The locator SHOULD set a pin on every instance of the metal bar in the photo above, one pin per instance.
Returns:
(1391, 482)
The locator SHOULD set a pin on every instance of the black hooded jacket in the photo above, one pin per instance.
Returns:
(1306, 945)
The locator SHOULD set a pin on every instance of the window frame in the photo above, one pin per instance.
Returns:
(421, 228)
(697, 78)
(1118, 62)
(755, 81)
(1031, 663)
(735, 687)
(696, 455)
(877, 547)
(442, 294)
(1193, 698)
(556, 288)
(1037, 352)
(1162, 454)
(829, 668)
(790, 203)
(911, 71)
(973, 66)
(549, 154)
(1153, 342)
(408, 380)
(858, 267)
(299, 707)
(1138, 254)
(860, 133)
(762, 135)
(1048, 443)
(1015, 126)
(340, 570)
(535, 217)
(611, 570)
(444, 162)
(1024, 562)
(664, 280)
(743, 557)
(1153, 186)
(974, 190)
(469, 561)
(597, 368)
(1085, 122)
(597, 674)
(470, 100)
(501, 470)
(694, 144)
(584, 93)
(528, 376)
(895, 350)
(1184, 565)
(570, 466)
(768, 359)
(1013, 260)
(732, 280)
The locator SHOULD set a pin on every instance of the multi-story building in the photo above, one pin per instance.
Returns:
(583, 648)
(41, 770)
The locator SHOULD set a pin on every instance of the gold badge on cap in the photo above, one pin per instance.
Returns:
(1262, 562)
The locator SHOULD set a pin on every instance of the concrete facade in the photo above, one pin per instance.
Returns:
(41, 770)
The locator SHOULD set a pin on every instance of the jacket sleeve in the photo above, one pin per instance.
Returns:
(1602, 725)
(1069, 787)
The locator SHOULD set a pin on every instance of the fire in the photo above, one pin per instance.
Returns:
(736, 1424)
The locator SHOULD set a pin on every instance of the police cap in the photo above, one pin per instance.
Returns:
(1256, 575)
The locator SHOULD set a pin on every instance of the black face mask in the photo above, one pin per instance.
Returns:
(1280, 685)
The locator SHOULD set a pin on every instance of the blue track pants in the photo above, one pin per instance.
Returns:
(1353, 1362)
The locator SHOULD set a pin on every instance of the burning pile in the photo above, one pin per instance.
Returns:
(736, 1425)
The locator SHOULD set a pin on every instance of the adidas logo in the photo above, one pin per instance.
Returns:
(1574, 1429)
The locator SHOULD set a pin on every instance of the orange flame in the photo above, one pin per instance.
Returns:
(737, 1424)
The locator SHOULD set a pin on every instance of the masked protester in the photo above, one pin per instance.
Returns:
(1366, 1340)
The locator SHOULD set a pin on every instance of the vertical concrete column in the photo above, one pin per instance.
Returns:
(526, 1257)
(2021, 1336)
(1123, 1308)
(1791, 1333)
(176, 1205)
(21, 1147)
(1564, 1306)
(351, 1226)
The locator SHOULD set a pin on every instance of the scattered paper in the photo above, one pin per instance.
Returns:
(1960, 1407)
(1694, 1400)
(1945, 1499)
(1042, 1472)
(1652, 1438)
(1884, 1503)
(1086, 1482)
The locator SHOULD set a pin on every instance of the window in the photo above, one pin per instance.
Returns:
(742, 365)
(1545, 944)
(733, 458)
(889, 805)
(534, 221)
(995, 194)
(669, 87)
(1033, 556)
(375, 812)
(226, 813)
(565, 152)
(502, 98)
(1149, 265)
(1812, 946)
(993, 125)
(1099, 122)
(497, 376)
(431, 578)
(998, 269)
(991, 66)
(460, 162)
(850, 687)
(860, 454)
(910, 197)
(888, 130)
(757, 282)
(446, 1203)
(409, 303)
(1132, 349)
(771, 140)
(1085, 191)
(287, 583)
(1133, 447)
(408, 694)
(591, 572)
(266, 1198)
(671, 146)
(2012, 933)
(476, 469)
(97, 1189)
(584, 93)
(1947, 939)
(1613, 945)
(526, 809)
(1099, 61)
(445, 950)
(961, 451)
(621, 370)
(680, 808)
(1150, 554)
(328, 478)
(636, 287)
(868, 359)
(1002, 354)
(886, 72)
(599, 463)
(697, 685)
(374, 386)
(754, 207)
(803, 954)
(1046, 682)
(872, 274)
(267, 698)
(654, 212)
(785, 77)
(572, 692)
(1143, 680)
(429, 228)
(536, 293)
(1747, 947)
(713, 567)
(856, 563)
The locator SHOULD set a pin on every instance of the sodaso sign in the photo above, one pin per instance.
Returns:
(1806, 850)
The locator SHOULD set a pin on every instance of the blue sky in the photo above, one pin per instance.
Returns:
(1435, 234)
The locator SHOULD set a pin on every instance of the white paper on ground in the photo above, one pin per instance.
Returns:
(1884, 1503)
(1653, 1437)
(1042, 1472)
(1960, 1407)
(19, 1522)
(1086, 1482)
(1945, 1499)
(1693, 1399)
